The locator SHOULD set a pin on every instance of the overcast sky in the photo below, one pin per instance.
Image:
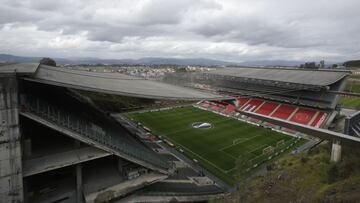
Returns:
(233, 30)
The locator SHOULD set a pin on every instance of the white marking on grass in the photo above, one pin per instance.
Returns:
(245, 139)
(236, 141)
(191, 128)
(231, 169)
(207, 161)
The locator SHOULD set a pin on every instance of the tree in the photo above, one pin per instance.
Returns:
(309, 65)
(48, 62)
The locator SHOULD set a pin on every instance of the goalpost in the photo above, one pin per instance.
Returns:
(280, 143)
(268, 150)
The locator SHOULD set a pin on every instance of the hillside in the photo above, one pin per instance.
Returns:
(352, 63)
(7, 58)
(351, 102)
(306, 178)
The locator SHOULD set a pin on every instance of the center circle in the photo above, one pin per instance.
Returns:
(201, 125)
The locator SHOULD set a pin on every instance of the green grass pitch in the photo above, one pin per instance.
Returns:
(217, 149)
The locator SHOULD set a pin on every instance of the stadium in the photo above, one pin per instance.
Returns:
(195, 150)
(278, 93)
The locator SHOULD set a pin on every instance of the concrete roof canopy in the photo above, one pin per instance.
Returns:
(298, 76)
(116, 83)
(23, 68)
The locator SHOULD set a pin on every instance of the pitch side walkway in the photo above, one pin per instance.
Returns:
(307, 146)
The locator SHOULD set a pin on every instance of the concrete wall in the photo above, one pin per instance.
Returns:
(11, 183)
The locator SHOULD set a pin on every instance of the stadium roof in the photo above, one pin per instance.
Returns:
(23, 68)
(297, 76)
(113, 83)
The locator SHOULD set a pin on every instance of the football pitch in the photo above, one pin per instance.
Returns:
(228, 146)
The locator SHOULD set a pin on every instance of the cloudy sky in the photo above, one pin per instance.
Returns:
(233, 30)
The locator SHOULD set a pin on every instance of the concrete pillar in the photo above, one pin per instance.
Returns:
(79, 184)
(11, 180)
(336, 152)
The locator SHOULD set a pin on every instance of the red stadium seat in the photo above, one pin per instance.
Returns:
(242, 101)
(319, 120)
(216, 108)
(303, 116)
(252, 105)
(283, 112)
(229, 108)
(204, 104)
(267, 108)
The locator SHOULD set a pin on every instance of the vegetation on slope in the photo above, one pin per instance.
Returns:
(307, 177)
(350, 102)
(353, 86)
(353, 76)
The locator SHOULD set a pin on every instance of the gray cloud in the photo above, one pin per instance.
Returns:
(230, 29)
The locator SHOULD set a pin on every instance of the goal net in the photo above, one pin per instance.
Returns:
(280, 143)
(268, 150)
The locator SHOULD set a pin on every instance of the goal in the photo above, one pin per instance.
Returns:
(268, 150)
(280, 143)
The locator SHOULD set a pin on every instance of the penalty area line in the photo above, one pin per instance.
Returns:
(207, 161)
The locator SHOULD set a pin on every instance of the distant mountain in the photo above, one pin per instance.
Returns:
(6, 58)
(352, 63)
(271, 63)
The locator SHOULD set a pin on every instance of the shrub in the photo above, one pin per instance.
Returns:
(333, 173)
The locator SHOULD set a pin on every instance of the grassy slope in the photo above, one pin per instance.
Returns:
(213, 148)
(353, 86)
(306, 178)
(355, 76)
(350, 102)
